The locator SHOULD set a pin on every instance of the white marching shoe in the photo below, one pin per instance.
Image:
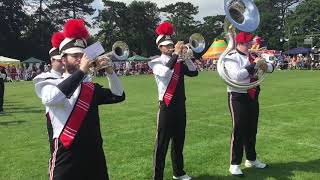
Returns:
(255, 164)
(236, 170)
(184, 177)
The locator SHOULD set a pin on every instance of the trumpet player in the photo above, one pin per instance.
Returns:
(72, 102)
(56, 64)
(169, 70)
(244, 104)
(55, 72)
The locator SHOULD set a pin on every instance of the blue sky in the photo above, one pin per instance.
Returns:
(206, 7)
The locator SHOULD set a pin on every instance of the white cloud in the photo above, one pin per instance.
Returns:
(206, 7)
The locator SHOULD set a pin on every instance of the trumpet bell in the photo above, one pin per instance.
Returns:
(242, 14)
(197, 42)
(120, 50)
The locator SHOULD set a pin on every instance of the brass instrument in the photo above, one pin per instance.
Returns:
(120, 51)
(244, 16)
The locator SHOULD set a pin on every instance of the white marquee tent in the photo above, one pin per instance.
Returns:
(5, 61)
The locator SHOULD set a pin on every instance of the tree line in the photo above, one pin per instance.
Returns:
(26, 26)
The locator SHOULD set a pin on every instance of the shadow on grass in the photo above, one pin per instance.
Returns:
(7, 123)
(15, 110)
(281, 171)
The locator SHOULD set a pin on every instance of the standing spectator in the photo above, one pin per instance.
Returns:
(2, 79)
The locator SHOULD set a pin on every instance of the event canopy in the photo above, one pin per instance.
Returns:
(299, 50)
(4, 61)
(153, 57)
(215, 50)
(33, 60)
(138, 58)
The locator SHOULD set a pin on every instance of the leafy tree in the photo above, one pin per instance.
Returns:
(13, 24)
(303, 21)
(182, 16)
(133, 24)
(144, 17)
(113, 22)
(66, 9)
(212, 28)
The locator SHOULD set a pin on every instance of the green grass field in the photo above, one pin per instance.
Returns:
(288, 135)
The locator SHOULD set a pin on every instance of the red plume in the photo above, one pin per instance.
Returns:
(165, 28)
(75, 28)
(56, 39)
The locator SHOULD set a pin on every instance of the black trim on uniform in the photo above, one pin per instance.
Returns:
(69, 85)
(187, 72)
(240, 52)
(50, 133)
(50, 78)
(170, 64)
(250, 68)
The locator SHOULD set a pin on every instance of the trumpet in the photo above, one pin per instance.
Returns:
(120, 51)
(196, 44)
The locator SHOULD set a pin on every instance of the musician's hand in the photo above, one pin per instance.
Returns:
(106, 63)
(85, 63)
(102, 62)
(178, 48)
(109, 68)
(257, 59)
(264, 67)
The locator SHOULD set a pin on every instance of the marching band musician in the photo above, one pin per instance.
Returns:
(55, 59)
(244, 104)
(55, 72)
(169, 71)
(72, 103)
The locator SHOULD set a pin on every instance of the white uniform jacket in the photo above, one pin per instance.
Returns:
(237, 69)
(163, 74)
(60, 105)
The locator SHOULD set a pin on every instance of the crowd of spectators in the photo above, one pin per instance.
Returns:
(27, 72)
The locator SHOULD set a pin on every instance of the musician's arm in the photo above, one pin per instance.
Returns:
(163, 70)
(113, 94)
(115, 84)
(69, 85)
(173, 60)
(235, 72)
(51, 94)
(189, 68)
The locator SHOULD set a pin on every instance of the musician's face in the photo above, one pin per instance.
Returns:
(244, 47)
(167, 49)
(72, 62)
(57, 65)
(248, 45)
